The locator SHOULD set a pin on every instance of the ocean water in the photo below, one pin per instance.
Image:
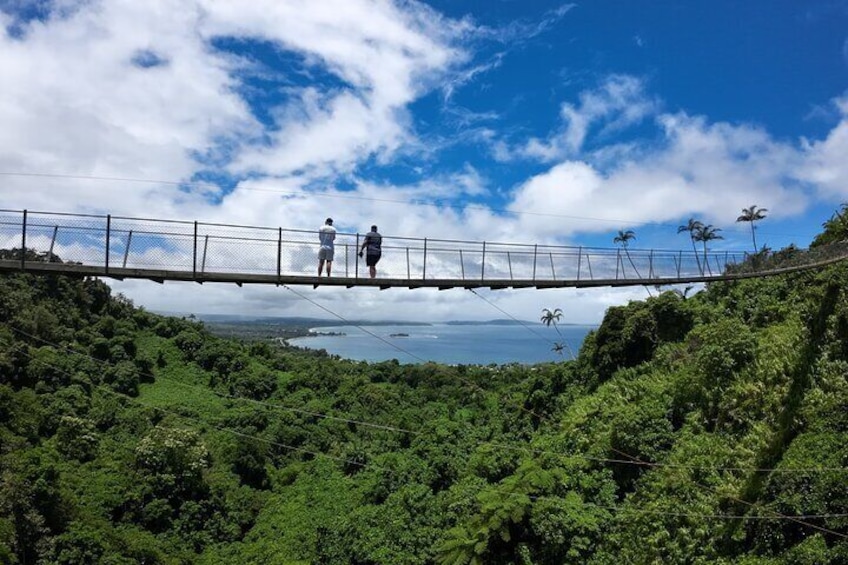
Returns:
(448, 343)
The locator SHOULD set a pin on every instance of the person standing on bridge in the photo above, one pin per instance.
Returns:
(326, 236)
(373, 248)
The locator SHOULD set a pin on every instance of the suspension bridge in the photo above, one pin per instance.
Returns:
(173, 250)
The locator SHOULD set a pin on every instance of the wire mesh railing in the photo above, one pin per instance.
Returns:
(121, 244)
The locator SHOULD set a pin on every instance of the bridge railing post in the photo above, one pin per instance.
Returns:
(52, 243)
(424, 270)
(462, 264)
(483, 264)
(535, 256)
(205, 248)
(617, 262)
(408, 272)
(579, 260)
(108, 238)
(651, 265)
(356, 258)
(23, 240)
(194, 253)
(126, 249)
(279, 253)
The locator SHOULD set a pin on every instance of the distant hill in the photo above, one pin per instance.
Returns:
(319, 322)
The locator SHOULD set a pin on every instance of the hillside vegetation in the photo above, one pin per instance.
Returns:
(703, 430)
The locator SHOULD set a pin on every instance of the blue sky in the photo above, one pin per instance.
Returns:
(501, 120)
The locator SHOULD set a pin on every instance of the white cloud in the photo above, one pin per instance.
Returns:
(138, 90)
(619, 102)
(74, 102)
(701, 169)
(385, 56)
(520, 31)
(826, 164)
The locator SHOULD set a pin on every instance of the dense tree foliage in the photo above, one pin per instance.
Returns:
(688, 430)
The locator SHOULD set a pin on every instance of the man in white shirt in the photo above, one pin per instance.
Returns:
(326, 235)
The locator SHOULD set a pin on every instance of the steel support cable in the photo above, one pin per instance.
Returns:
(198, 420)
(751, 505)
(635, 459)
(436, 204)
(797, 519)
(524, 324)
(398, 429)
(529, 450)
(272, 405)
(203, 424)
(342, 318)
(460, 378)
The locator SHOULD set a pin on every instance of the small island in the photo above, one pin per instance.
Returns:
(399, 335)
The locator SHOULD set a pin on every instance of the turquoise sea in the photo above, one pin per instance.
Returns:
(447, 343)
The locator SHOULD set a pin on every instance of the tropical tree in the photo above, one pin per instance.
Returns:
(705, 234)
(752, 214)
(623, 238)
(550, 318)
(692, 227)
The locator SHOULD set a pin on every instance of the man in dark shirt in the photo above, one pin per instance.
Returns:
(373, 250)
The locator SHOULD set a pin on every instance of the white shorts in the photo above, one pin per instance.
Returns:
(325, 254)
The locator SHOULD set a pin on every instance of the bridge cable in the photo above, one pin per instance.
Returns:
(523, 324)
(202, 424)
(436, 204)
(398, 429)
(632, 461)
(752, 505)
(348, 322)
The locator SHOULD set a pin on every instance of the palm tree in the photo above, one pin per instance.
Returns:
(692, 227)
(550, 318)
(684, 294)
(705, 234)
(624, 238)
(752, 214)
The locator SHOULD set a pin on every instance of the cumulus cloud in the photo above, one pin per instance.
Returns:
(383, 56)
(76, 100)
(154, 91)
(619, 102)
(697, 168)
(826, 164)
(142, 90)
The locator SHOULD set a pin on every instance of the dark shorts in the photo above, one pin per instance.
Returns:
(371, 260)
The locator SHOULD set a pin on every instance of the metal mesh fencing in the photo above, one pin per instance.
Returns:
(11, 229)
(205, 248)
(151, 244)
